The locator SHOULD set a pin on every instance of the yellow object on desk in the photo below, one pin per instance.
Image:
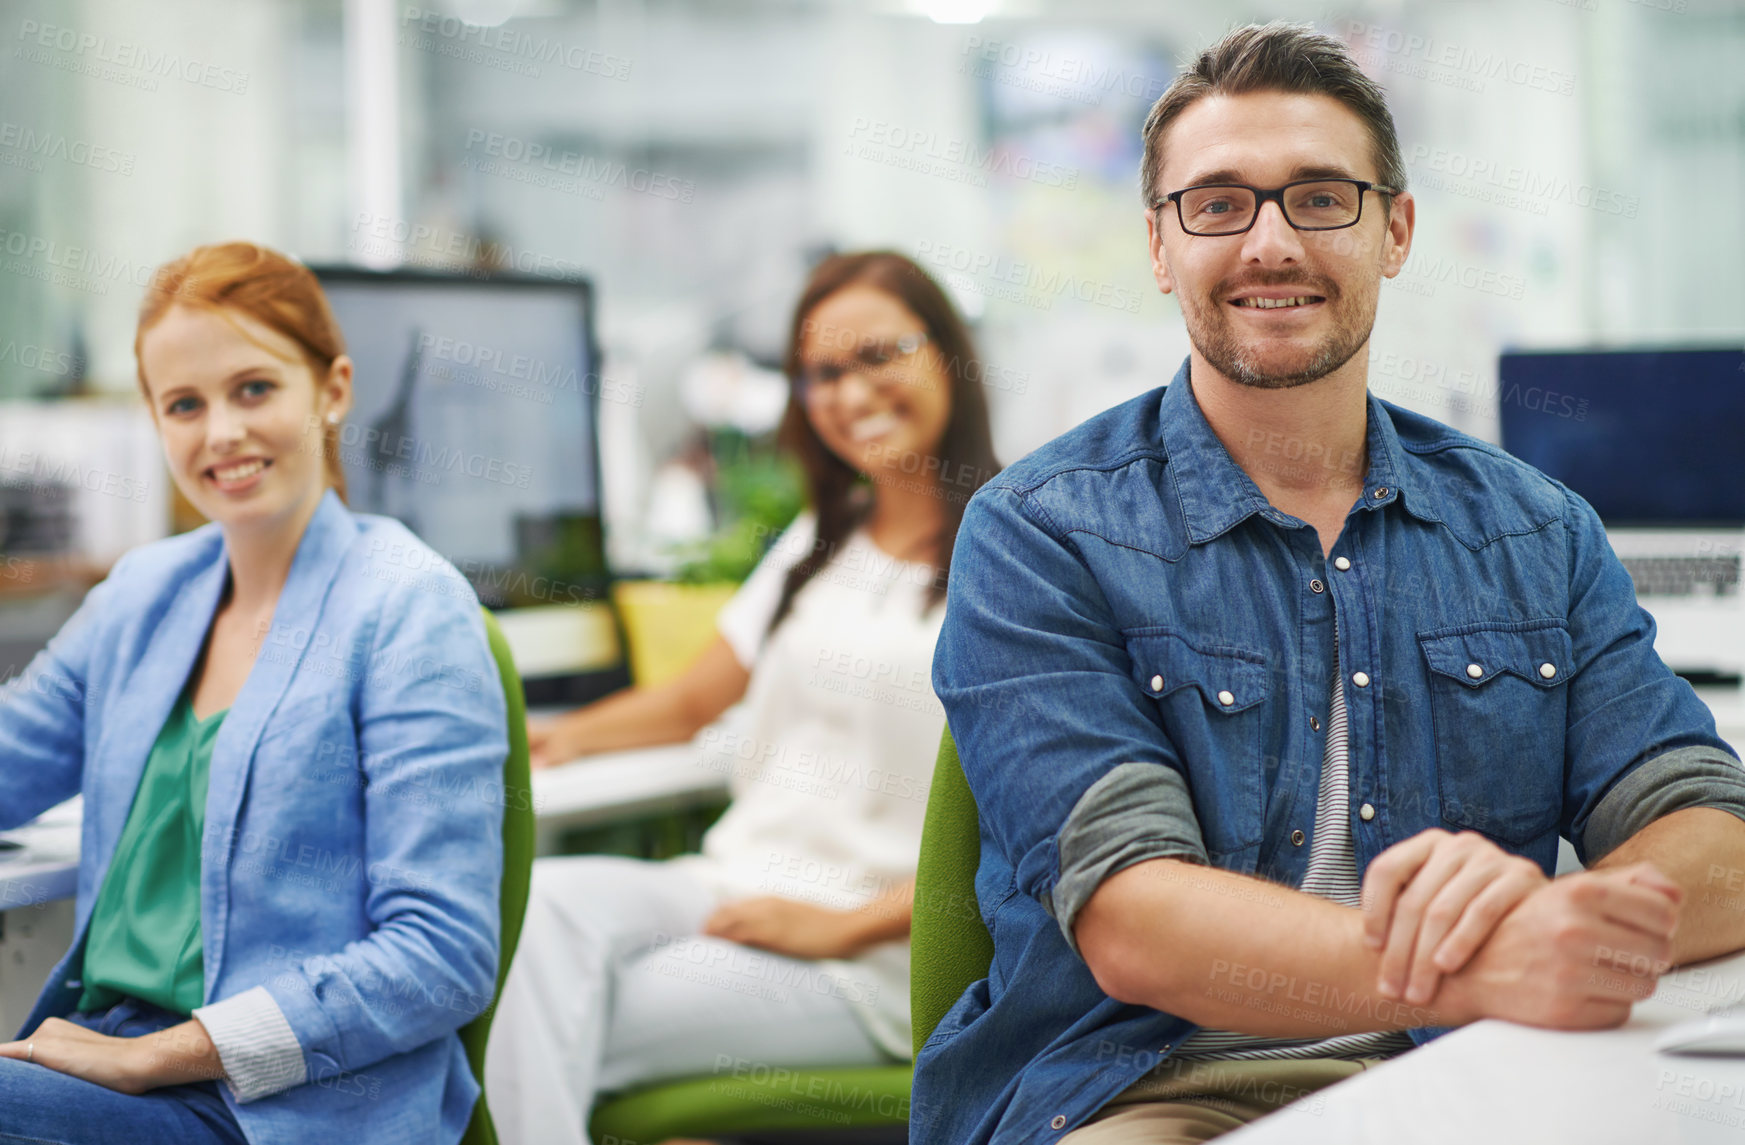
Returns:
(667, 625)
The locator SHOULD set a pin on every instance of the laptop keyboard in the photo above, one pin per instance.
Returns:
(1684, 576)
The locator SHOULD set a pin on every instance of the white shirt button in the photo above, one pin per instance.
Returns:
(1548, 670)
(1059, 1122)
(1366, 812)
(1157, 683)
(1474, 671)
(1226, 699)
(1341, 563)
(1361, 679)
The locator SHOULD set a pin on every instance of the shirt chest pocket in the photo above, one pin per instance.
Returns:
(1498, 710)
(1211, 700)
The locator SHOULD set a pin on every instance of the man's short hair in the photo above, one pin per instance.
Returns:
(1282, 57)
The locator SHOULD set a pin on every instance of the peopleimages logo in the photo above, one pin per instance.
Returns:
(52, 145)
(99, 267)
(502, 47)
(575, 170)
(1043, 284)
(931, 153)
(122, 54)
(1076, 78)
(451, 250)
(1477, 64)
(1525, 182)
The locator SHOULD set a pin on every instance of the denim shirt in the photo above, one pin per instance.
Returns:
(1136, 663)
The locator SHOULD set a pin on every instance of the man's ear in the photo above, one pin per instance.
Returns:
(1159, 266)
(1397, 243)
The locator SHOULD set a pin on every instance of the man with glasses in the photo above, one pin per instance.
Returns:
(1276, 698)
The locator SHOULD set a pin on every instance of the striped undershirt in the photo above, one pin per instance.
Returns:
(1332, 874)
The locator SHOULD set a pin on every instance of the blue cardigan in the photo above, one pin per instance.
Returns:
(352, 849)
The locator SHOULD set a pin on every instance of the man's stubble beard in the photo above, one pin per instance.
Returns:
(1212, 335)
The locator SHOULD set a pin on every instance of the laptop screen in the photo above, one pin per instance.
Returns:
(1652, 438)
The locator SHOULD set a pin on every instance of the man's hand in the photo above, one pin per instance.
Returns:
(784, 926)
(1576, 953)
(1432, 901)
(173, 1056)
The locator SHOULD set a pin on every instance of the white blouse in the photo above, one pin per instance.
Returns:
(830, 779)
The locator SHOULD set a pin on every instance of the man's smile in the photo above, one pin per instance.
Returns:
(1277, 303)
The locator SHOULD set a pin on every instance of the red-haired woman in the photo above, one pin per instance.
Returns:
(277, 933)
(785, 941)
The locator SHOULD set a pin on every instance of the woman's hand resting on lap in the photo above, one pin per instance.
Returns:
(174, 1056)
(796, 929)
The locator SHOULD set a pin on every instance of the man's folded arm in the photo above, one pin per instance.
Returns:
(1158, 927)
(1647, 777)
(1232, 952)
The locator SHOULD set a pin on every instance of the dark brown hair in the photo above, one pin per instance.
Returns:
(276, 291)
(1283, 57)
(965, 454)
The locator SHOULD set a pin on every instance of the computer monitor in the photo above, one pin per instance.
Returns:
(1651, 438)
(475, 422)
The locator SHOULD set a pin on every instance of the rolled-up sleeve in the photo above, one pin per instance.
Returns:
(1674, 781)
(1137, 812)
(1640, 744)
(1072, 772)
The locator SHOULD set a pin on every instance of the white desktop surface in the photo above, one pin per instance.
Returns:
(1495, 1083)
(47, 868)
(586, 792)
(582, 793)
(613, 785)
(616, 785)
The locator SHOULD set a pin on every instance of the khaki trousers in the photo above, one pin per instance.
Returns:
(1183, 1102)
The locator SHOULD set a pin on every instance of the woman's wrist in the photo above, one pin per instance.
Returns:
(175, 1056)
(878, 921)
(855, 933)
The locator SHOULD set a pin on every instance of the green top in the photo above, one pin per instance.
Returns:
(144, 938)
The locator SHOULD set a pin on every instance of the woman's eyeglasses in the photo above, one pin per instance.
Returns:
(881, 361)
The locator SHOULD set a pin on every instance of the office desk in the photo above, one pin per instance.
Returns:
(619, 785)
(37, 885)
(47, 868)
(1502, 1084)
(589, 791)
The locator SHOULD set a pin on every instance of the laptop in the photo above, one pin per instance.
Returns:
(1654, 439)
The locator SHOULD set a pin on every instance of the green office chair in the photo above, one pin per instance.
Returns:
(950, 949)
(517, 868)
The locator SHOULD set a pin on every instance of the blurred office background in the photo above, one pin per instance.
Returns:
(1580, 168)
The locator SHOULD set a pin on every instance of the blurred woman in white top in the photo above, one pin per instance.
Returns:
(786, 940)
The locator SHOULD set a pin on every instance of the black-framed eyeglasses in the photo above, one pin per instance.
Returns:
(879, 360)
(1308, 205)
